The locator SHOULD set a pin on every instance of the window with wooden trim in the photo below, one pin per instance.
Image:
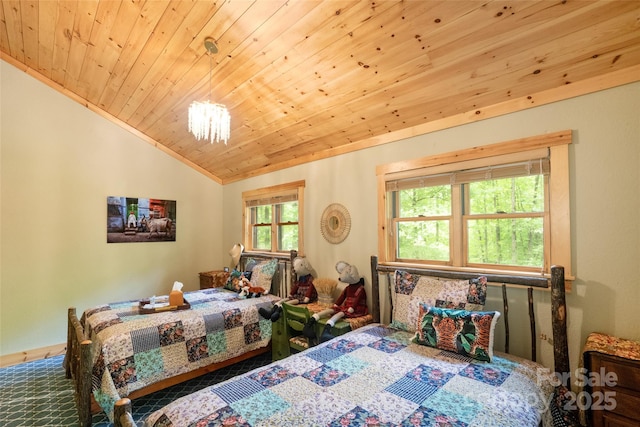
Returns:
(273, 218)
(499, 208)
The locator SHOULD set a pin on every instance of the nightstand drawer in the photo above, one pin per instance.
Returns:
(628, 373)
(626, 404)
(613, 420)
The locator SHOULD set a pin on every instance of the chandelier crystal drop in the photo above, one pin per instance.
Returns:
(209, 121)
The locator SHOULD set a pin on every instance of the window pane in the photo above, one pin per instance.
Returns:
(289, 212)
(262, 237)
(425, 201)
(508, 241)
(288, 237)
(423, 240)
(507, 195)
(272, 218)
(262, 214)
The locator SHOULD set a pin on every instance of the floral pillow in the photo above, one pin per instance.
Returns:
(477, 291)
(262, 274)
(412, 289)
(469, 333)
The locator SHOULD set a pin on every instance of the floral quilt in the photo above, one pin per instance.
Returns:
(135, 350)
(374, 375)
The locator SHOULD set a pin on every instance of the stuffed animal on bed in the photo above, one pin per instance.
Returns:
(302, 289)
(252, 292)
(352, 302)
(236, 281)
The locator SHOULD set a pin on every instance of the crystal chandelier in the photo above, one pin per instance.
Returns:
(207, 120)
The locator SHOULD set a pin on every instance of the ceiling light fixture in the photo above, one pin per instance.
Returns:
(207, 120)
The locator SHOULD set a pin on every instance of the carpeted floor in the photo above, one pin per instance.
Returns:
(38, 394)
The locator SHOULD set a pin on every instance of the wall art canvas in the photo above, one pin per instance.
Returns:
(135, 219)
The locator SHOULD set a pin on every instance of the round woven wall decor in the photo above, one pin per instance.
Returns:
(335, 223)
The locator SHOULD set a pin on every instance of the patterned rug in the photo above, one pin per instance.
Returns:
(38, 394)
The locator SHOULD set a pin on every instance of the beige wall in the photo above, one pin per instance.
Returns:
(59, 162)
(605, 165)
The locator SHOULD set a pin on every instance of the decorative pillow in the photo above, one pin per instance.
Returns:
(478, 291)
(262, 274)
(235, 278)
(469, 333)
(411, 290)
(250, 263)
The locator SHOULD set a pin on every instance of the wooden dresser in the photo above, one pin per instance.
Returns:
(614, 399)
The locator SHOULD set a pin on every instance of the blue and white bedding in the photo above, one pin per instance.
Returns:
(134, 350)
(374, 375)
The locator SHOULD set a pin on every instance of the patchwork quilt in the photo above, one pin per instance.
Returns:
(372, 376)
(134, 350)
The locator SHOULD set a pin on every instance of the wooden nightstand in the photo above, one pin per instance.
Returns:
(613, 381)
(213, 279)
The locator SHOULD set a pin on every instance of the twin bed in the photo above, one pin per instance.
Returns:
(433, 365)
(114, 350)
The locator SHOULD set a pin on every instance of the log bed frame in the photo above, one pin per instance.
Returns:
(123, 409)
(78, 360)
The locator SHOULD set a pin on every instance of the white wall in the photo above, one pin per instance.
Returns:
(59, 162)
(605, 201)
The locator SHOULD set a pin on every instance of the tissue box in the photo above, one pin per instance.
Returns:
(213, 279)
(176, 298)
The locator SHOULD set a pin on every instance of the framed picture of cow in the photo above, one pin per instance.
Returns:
(135, 219)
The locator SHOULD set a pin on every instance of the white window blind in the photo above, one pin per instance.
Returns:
(272, 200)
(532, 166)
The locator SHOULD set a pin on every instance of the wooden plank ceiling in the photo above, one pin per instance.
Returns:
(304, 79)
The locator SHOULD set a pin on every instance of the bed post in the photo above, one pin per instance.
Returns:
(293, 277)
(84, 383)
(505, 305)
(78, 365)
(122, 414)
(68, 356)
(375, 290)
(532, 321)
(559, 323)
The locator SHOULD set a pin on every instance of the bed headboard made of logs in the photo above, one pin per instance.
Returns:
(556, 283)
(284, 275)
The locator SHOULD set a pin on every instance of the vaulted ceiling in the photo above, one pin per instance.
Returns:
(305, 80)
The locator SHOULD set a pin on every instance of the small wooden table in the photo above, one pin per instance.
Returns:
(213, 279)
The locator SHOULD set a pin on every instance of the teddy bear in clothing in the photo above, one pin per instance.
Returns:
(302, 290)
(353, 299)
(352, 302)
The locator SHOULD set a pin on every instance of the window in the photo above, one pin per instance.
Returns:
(500, 208)
(272, 218)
